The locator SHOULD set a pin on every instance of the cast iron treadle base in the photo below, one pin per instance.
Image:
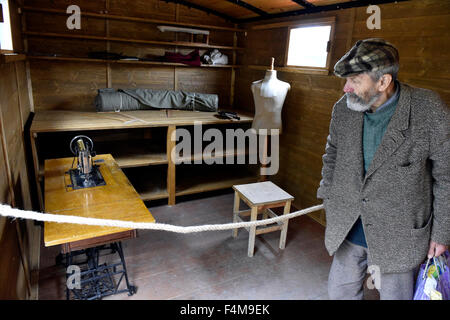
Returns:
(97, 280)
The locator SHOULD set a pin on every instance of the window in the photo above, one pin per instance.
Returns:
(309, 44)
(5, 28)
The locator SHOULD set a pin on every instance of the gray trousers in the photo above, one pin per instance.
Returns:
(349, 269)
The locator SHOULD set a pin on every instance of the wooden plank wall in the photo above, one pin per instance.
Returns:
(418, 28)
(14, 176)
(73, 85)
(17, 238)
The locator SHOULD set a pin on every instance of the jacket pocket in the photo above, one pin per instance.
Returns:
(421, 240)
(408, 167)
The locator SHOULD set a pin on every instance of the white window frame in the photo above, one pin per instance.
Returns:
(330, 21)
(7, 18)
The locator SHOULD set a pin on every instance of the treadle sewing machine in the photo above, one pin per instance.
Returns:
(86, 174)
(95, 189)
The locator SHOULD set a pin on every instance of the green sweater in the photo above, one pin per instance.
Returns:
(374, 127)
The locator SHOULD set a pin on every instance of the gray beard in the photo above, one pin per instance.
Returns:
(356, 103)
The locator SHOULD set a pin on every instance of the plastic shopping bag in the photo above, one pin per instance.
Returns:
(444, 278)
(433, 280)
(419, 290)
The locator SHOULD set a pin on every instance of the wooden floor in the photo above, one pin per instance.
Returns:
(213, 265)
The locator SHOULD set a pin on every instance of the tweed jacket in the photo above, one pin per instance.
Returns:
(403, 198)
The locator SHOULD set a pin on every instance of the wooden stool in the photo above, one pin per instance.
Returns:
(260, 197)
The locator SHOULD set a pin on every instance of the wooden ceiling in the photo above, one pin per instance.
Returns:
(243, 11)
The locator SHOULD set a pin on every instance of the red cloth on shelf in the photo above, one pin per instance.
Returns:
(192, 58)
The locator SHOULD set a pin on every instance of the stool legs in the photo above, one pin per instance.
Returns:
(235, 212)
(265, 214)
(287, 209)
(251, 240)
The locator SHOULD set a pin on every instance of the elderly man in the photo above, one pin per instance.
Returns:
(385, 177)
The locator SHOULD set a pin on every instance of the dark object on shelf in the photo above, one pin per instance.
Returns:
(215, 57)
(227, 115)
(103, 55)
(44, 54)
(152, 57)
(109, 99)
(192, 58)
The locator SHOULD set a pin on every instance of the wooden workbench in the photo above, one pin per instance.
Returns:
(146, 149)
(52, 121)
(116, 200)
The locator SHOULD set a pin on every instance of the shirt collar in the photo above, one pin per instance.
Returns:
(392, 99)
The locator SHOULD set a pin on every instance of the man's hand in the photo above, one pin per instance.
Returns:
(436, 249)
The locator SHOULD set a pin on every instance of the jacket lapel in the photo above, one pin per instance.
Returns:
(353, 141)
(393, 137)
(357, 146)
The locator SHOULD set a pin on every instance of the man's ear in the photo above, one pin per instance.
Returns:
(385, 81)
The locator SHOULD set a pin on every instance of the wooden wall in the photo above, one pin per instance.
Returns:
(418, 28)
(18, 239)
(73, 85)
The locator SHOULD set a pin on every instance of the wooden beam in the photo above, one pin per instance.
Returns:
(171, 164)
(316, 9)
(108, 49)
(27, 63)
(128, 40)
(249, 7)
(309, 22)
(131, 19)
(137, 62)
(304, 3)
(233, 71)
(201, 8)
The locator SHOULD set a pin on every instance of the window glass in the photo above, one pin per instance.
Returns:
(5, 28)
(308, 46)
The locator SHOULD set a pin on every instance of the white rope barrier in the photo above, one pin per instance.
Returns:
(7, 211)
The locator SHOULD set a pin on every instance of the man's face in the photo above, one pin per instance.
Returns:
(361, 92)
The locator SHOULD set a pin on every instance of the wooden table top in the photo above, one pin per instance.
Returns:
(59, 120)
(116, 200)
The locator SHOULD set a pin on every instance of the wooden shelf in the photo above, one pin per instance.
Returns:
(115, 39)
(139, 153)
(11, 57)
(131, 19)
(201, 178)
(59, 120)
(152, 191)
(226, 154)
(150, 183)
(128, 154)
(153, 63)
(142, 154)
(309, 70)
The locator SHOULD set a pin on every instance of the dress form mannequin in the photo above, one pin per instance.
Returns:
(269, 95)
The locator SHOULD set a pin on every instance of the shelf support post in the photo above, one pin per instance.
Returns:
(171, 131)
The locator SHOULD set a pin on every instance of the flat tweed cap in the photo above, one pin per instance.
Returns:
(367, 55)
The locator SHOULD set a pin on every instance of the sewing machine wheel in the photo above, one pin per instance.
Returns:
(86, 140)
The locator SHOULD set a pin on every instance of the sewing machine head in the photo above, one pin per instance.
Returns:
(86, 174)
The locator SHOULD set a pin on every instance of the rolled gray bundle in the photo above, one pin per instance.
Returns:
(146, 99)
